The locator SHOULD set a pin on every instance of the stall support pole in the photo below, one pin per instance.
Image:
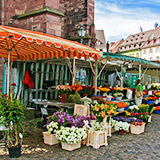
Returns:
(95, 78)
(140, 71)
(8, 73)
(73, 71)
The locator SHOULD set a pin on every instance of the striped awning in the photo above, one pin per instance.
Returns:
(30, 45)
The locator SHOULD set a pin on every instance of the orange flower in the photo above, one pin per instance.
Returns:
(102, 106)
(103, 113)
(97, 108)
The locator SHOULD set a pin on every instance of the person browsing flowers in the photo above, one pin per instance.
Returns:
(138, 93)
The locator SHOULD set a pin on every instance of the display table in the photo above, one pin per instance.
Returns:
(56, 105)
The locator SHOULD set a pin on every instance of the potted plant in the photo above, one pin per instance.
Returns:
(118, 95)
(63, 91)
(97, 133)
(71, 138)
(12, 112)
(137, 127)
(121, 106)
(50, 136)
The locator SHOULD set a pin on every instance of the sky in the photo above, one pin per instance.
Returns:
(120, 18)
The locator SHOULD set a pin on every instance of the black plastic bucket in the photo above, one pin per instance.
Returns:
(14, 152)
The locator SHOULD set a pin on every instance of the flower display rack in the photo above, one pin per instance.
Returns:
(137, 129)
(81, 110)
(97, 139)
(70, 147)
(50, 139)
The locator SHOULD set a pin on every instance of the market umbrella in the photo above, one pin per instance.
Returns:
(25, 45)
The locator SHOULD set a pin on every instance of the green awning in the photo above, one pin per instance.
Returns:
(135, 61)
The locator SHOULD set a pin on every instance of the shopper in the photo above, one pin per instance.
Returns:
(138, 93)
(117, 84)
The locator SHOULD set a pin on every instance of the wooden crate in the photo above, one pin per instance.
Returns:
(70, 147)
(50, 139)
(137, 129)
(97, 139)
(108, 125)
(82, 110)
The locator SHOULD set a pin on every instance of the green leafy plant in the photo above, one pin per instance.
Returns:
(12, 112)
(75, 98)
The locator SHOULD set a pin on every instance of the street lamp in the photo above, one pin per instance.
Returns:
(81, 33)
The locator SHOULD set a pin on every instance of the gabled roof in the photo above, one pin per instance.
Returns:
(141, 40)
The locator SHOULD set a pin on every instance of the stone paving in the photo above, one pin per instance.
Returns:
(121, 147)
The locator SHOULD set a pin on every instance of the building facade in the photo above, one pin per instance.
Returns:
(144, 45)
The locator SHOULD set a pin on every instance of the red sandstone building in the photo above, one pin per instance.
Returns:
(60, 18)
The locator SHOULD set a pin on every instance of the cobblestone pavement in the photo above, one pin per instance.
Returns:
(121, 147)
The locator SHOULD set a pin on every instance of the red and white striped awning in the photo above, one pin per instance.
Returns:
(30, 45)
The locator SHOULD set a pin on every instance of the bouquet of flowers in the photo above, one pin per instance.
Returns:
(143, 108)
(149, 99)
(118, 94)
(87, 101)
(62, 89)
(62, 118)
(158, 94)
(121, 104)
(137, 123)
(71, 135)
(52, 127)
(119, 125)
(104, 89)
(133, 108)
(95, 126)
(76, 88)
(128, 120)
(103, 110)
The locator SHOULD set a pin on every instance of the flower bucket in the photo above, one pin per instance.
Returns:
(122, 132)
(70, 147)
(118, 98)
(156, 101)
(137, 129)
(125, 108)
(157, 112)
(120, 109)
(150, 102)
(14, 152)
(50, 139)
(63, 98)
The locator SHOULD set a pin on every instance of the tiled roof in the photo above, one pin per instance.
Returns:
(100, 36)
(141, 40)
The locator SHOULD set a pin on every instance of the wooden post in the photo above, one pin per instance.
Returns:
(4, 79)
(73, 70)
(95, 78)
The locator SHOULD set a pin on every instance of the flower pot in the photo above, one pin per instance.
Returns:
(50, 139)
(118, 98)
(120, 109)
(14, 152)
(137, 129)
(85, 94)
(122, 132)
(63, 98)
(70, 147)
(125, 108)
(150, 102)
(97, 139)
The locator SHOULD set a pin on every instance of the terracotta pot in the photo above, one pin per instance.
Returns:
(85, 94)
(122, 132)
(63, 98)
